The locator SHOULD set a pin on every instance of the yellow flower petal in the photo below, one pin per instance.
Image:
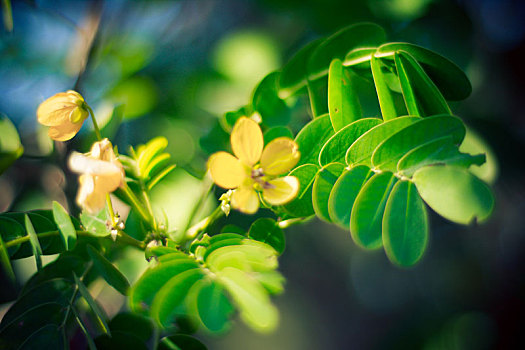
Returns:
(89, 197)
(65, 131)
(282, 190)
(247, 141)
(226, 170)
(245, 199)
(78, 115)
(280, 156)
(58, 107)
(80, 163)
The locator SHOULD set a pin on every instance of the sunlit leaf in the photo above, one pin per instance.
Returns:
(344, 193)
(405, 225)
(10, 147)
(268, 104)
(312, 137)
(65, 226)
(6, 262)
(35, 244)
(388, 153)
(454, 193)
(369, 207)
(360, 152)
(438, 151)
(451, 80)
(181, 342)
(251, 299)
(95, 224)
(334, 150)
(343, 104)
(324, 181)
(213, 306)
(171, 295)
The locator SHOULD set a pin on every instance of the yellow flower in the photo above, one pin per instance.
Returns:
(254, 169)
(102, 173)
(64, 113)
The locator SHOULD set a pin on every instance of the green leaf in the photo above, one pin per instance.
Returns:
(110, 129)
(318, 94)
(438, 151)
(312, 137)
(388, 153)
(181, 342)
(272, 281)
(6, 262)
(143, 291)
(249, 256)
(384, 94)
(146, 153)
(266, 230)
(451, 80)
(99, 313)
(223, 240)
(120, 340)
(361, 35)
(344, 193)
(35, 244)
(294, 74)
(301, 206)
(83, 329)
(422, 96)
(50, 335)
(343, 103)
(405, 225)
(275, 132)
(108, 271)
(454, 193)
(324, 181)
(267, 103)
(359, 59)
(334, 150)
(95, 224)
(367, 212)
(65, 226)
(475, 144)
(251, 298)
(171, 295)
(360, 152)
(10, 147)
(212, 305)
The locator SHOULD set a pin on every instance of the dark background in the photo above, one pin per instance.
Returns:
(178, 65)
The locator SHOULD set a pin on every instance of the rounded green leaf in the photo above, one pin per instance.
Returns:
(334, 150)
(181, 341)
(267, 103)
(171, 295)
(266, 230)
(405, 225)
(360, 152)
(438, 151)
(294, 74)
(95, 224)
(249, 256)
(50, 335)
(323, 183)
(128, 322)
(369, 207)
(390, 151)
(212, 305)
(451, 80)
(454, 193)
(10, 229)
(361, 35)
(312, 137)
(143, 291)
(65, 226)
(343, 103)
(108, 271)
(344, 193)
(120, 340)
(301, 206)
(251, 298)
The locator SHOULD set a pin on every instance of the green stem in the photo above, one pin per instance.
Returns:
(95, 125)
(135, 203)
(125, 238)
(290, 222)
(200, 227)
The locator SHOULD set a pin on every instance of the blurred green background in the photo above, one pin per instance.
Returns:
(177, 66)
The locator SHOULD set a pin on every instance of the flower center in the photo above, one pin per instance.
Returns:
(260, 179)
